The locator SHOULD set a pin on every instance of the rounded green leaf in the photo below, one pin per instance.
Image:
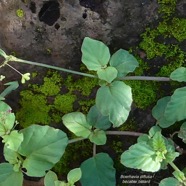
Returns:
(42, 147)
(98, 171)
(74, 175)
(95, 54)
(9, 177)
(158, 112)
(50, 178)
(7, 118)
(108, 74)
(13, 140)
(175, 110)
(182, 132)
(98, 137)
(115, 101)
(97, 120)
(76, 122)
(140, 156)
(169, 182)
(179, 74)
(124, 62)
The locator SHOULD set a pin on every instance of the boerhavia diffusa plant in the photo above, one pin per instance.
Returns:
(36, 149)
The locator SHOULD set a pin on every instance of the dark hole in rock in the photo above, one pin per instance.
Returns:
(50, 12)
(57, 26)
(84, 15)
(92, 4)
(33, 7)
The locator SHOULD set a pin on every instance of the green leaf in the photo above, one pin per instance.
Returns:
(169, 182)
(179, 74)
(143, 138)
(7, 118)
(76, 122)
(108, 74)
(2, 53)
(9, 177)
(42, 147)
(12, 86)
(179, 175)
(140, 156)
(182, 132)
(50, 178)
(175, 110)
(95, 54)
(158, 142)
(115, 101)
(158, 112)
(13, 140)
(98, 137)
(124, 62)
(97, 120)
(98, 171)
(74, 175)
(153, 130)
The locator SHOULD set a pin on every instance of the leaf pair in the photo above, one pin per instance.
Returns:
(82, 126)
(96, 56)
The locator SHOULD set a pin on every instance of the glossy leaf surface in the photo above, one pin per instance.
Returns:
(76, 122)
(97, 120)
(115, 101)
(98, 137)
(124, 62)
(175, 110)
(179, 74)
(182, 132)
(9, 177)
(74, 175)
(108, 74)
(169, 182)
(42, 147)
(98, 171)
(158, 112)
(95, 54)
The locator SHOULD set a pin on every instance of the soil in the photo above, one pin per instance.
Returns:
(52, 32)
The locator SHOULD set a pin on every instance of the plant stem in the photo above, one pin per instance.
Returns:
(55, 68)
(174, 166)
(75, 140)
(143, 78)
(125, 133)
(94, 149)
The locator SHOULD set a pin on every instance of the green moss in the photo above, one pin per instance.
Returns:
(130, 125)
(64, 103)
(144, 93)
(34, 109)
(20, 13)
(45, 103)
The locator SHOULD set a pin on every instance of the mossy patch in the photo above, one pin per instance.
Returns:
(47, 102)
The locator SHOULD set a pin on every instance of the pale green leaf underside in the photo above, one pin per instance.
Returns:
(124, 62)
(95, 54)
(176, 107)
(98, 137)
(74, 175)
(169, 182)
(108, 74)
(158, 112)
(9, 177)
(140, 156)
(179, 74)
(50, 178)
(43, 147)
(98, 171)
(115, 101)
(76, 122)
